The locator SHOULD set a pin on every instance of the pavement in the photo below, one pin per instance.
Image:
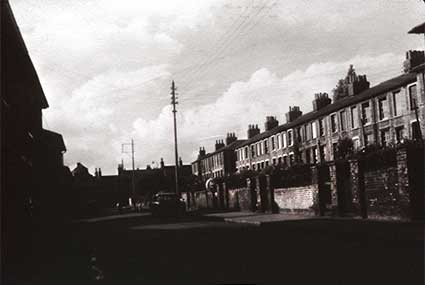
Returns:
(257, 219)
(112, 217)
(396, 230)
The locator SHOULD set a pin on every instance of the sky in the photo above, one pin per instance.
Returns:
(106, 66)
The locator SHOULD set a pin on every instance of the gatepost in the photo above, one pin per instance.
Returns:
(333, 180)
(252, 194)
(316, 198)
(261, 191)
(410, 170)
(226, 195)
(271, 204)
(357, 188)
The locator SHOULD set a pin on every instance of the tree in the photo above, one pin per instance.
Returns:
(345, 148)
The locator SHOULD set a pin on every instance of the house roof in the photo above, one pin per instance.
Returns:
(16, 36)
(80, 169)
(419, 29)
(341, 103)
(53, 140)
(232, 146)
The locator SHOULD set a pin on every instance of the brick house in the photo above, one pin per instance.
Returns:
(219, 163)
(383, 114)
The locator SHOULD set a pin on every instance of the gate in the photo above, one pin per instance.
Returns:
(325, 198)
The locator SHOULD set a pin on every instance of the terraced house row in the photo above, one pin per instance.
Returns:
(387, 113)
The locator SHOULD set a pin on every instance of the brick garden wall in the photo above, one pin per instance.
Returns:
(381, 187)
(295, 198)
(240, 199)
(200, 200)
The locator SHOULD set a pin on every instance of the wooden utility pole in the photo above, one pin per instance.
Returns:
(174, 103)
(133, 185)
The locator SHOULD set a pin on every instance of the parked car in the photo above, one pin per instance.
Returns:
(167, 204)
(122, 208)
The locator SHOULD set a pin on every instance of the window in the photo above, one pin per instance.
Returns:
(253, 150)
(298, 136)
(416, 131)
(399, 103)
(412, 97)
(368, 139)
(366, 115)
(285, 142)
(279, 160)
(246, 152)
(285, 160)
(290, 140)
(354, 119)
(274, 161)
(315, 157)
(313, 130)
(273, 143)
(335, 149)
(333, 123)
(308, 131)
(385, 137)
(342, 120)
(383, 108)
(356, 143)
(307, 156)
(399, 134)
(266, 147)
(291, 159)
(321, 127)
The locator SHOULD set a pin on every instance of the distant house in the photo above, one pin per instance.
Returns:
(153, 180)
(220, 162)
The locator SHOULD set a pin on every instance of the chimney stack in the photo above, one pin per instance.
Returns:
(231, 137)
(271, 122)
(202, 152)
(180, 162)
(219, 144)
(253, 130)
(162, 163)
(413, 58)
(321, 100)
(294, 112)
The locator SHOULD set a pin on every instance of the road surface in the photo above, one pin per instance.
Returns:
(141, 249)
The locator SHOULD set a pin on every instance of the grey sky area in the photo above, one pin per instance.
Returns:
(106, 66)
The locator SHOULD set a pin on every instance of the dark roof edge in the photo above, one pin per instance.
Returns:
(419, 29)
(8, 8)
(231, 146)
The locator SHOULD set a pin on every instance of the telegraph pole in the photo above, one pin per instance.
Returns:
(133, 185)
(174, 103)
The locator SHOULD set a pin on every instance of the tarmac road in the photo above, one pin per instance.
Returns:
(141, 249)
